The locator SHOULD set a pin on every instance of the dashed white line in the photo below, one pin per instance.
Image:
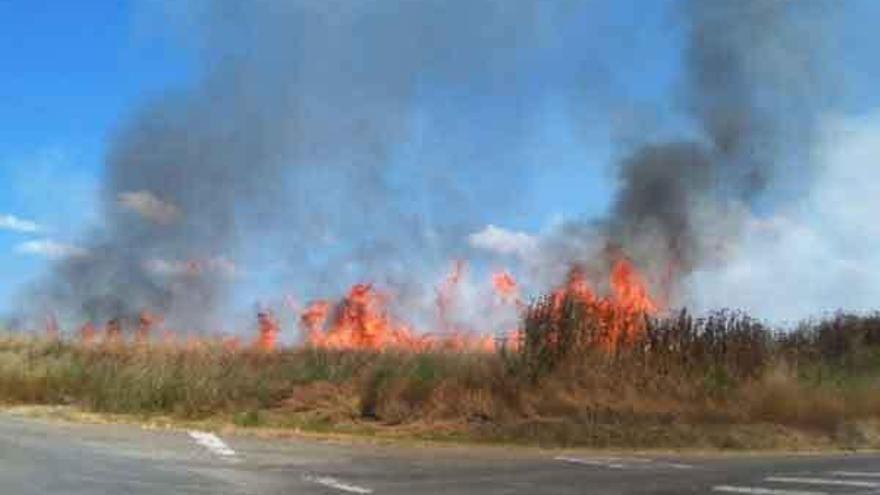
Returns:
(823, 481)
(621, 462)
(337, 484)
(211, 442)
(860, 474)
(606, 462)
(757, 490)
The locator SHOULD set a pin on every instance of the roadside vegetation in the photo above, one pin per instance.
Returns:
(721, 381)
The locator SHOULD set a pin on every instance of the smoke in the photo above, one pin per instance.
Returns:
(288, 153)
(282, 154)
(754, 90)
(149, 206)
(755, 85)
(818, 254)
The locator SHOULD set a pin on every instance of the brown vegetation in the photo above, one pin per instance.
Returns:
(725, 380)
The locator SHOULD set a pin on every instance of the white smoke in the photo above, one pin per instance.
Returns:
(822, 254)
(175, 268)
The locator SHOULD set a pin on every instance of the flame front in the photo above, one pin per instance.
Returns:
(620, 316)
(362, 321)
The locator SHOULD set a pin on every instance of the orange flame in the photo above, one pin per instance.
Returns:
(629, 289)
(313, 319)
(446, 292)
(620, 316)
(146, 322)
(362, 321)
(269, 330)
(113, 332)
(506, 286)
(87, 334)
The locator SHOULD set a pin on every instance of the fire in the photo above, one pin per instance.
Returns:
(269, 330)
(88, 333)
(113, 332)
(313, 319)
(620, 316)
(362, 320)
(446, 292)
(146, 322)
(576, 286)
(629, 289)
(506, 287)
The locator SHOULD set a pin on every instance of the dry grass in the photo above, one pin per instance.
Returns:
(723, 381)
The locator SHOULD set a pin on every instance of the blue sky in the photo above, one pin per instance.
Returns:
(71, 73)
(68, 75)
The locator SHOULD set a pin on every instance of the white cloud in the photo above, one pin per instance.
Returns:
(60, 186)
(150, 207)
(11, 222)
(50, 249)
(503, 241)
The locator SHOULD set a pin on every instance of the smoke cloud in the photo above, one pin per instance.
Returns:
(288, 152)
(754, 90)
(149, 206)
(755, 87)
(818, 254)
(282, 154)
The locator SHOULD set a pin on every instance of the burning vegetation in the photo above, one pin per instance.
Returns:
(587, 370)
(596, 361)
(361, 320)
(305, 155)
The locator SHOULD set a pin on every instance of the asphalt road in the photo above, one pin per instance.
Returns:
(42, 457)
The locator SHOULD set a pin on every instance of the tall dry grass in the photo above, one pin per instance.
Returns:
(683, 381)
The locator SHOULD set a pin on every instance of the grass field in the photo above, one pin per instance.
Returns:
(723, 381)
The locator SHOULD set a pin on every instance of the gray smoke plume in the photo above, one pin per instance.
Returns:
(287, 151)
(753, 88)
(279, 152)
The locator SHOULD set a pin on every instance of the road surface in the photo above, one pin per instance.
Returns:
(39, 457)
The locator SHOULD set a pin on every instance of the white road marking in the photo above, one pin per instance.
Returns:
(211, 442)
(620, 462)
(337, 484)
(604, 462)
(861, 474)
(757, 490)
(823, 481)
